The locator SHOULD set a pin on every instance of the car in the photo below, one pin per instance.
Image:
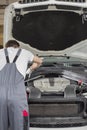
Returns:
(56, 31)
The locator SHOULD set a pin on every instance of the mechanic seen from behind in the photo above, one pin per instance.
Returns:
(13, 100)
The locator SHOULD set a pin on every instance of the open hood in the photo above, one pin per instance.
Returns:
(51, 32)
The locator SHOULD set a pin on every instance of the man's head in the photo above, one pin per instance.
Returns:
(12, 43)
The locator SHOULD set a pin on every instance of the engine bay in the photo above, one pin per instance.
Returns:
(56, 77)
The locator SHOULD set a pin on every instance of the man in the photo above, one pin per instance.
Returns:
(13, 101)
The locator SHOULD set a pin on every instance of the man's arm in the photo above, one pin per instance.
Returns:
(36, 63)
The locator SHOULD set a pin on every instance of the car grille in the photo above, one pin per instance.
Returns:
(56, 109)
(50, 113)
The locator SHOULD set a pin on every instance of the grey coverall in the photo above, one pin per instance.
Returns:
(13, 100)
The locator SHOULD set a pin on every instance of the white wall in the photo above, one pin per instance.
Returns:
(3, 4)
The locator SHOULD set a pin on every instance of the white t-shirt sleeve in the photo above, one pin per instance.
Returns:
(31, 56)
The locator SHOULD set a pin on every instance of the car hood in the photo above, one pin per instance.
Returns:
(51, 32)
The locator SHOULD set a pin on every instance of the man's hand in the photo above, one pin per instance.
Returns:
(36, 63)
(37, 60)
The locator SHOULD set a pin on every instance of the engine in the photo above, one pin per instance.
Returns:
(51, 84)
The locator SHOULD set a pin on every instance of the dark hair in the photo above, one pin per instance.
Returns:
(12, 43)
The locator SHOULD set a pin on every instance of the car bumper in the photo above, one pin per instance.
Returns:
(69, 128)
